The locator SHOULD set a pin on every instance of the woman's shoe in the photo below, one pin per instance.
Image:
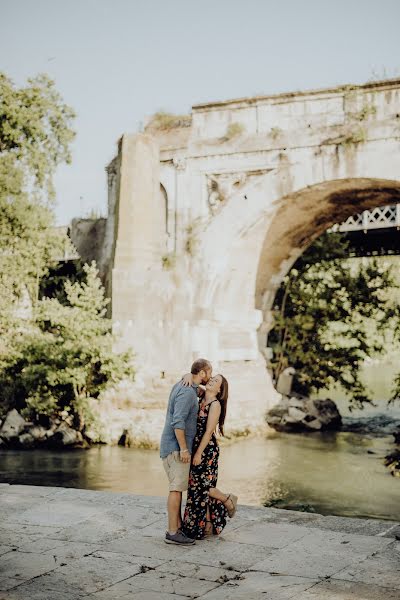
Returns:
(234, 501)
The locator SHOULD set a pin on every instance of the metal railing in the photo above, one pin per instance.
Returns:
(383, 217)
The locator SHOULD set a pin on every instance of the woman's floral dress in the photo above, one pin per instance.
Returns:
(201, 479)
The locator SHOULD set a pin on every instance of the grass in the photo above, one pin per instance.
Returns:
(164, 121)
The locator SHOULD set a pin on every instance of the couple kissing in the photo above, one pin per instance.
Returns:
(189, 450)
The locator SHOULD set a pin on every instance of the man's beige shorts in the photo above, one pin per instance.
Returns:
(177, 472)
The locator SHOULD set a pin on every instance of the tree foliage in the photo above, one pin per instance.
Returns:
(66, 356)
(35, 135)
(57, 353)
(323, 315)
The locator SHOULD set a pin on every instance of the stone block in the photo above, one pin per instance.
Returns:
(24, 565)
(380, 569)
(161, 583)
(347, 590)
(58, 513)
(256, 586)
(268, 535)
(13, 425)
(321, 554)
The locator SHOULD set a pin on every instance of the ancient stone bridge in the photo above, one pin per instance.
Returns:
(208, 212)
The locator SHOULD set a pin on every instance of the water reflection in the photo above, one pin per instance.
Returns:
(334, 473)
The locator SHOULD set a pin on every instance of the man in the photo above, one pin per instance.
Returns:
(176, 446)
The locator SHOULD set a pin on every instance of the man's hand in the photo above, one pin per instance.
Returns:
(187, 380)
(185, 456)
(197, 459)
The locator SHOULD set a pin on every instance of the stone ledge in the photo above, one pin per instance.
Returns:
(64, 543)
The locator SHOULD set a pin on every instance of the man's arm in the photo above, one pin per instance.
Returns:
(180, 414)
(184, 452)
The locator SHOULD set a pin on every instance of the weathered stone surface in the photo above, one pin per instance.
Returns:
(57, 513)
(64, 435)
(26, 440)
(162, 583)
(268, 535)
(304, 415)
(217, 207)
(24, 565)
(346, 590)
(13, 425)
(105, 546)
(261, 585)
(380, 568)
(321, 554)
(188, 569)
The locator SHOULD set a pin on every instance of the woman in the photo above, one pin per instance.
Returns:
(206, 506)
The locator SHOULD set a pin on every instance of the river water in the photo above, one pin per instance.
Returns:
(330, 473)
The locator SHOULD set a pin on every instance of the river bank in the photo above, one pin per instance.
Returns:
(63, 544)
(330, 473)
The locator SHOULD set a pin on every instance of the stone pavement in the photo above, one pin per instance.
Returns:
(68, 544)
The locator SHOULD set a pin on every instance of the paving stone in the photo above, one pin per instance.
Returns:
(4, 549)
(163, 583)
(321, 553)
(271, 535)
(33, 590)
(14, 538)
(144, 562)
(346, 590)
(257, 586)
(36, 531)
(187, 569)
(228, 554)
(381, 569)
(142, 595)
(31, 491)
(57, 513)
(88, 545)
(89, 574)
(24, 565)
(95, 530)
(135, 544)
(7, 583)
(109, 525)
(41, 545)
(349, 525)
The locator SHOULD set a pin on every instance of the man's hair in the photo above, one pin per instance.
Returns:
(201, 364)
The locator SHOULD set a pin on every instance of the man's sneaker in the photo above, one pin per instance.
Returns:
(178, 538)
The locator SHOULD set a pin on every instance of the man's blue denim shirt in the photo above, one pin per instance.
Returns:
(182, 412)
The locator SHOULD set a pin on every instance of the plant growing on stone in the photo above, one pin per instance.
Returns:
(164, 121)
(191, 240)
(275, 133)
(366, 111)
(323, 315)
(168, 261)
(233, 130)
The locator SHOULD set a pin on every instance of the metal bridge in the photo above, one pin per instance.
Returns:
(374, 232)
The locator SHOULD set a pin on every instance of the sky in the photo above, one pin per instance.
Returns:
(118, 61)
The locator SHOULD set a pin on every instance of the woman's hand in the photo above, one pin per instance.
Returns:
(187, 380)
(197, 459)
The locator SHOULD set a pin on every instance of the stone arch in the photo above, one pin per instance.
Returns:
(304, 216)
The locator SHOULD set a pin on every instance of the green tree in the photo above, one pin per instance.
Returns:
(67, 357)
(35, 136)
(323, 315)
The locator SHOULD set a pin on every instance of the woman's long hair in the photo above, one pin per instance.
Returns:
(222, 396)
